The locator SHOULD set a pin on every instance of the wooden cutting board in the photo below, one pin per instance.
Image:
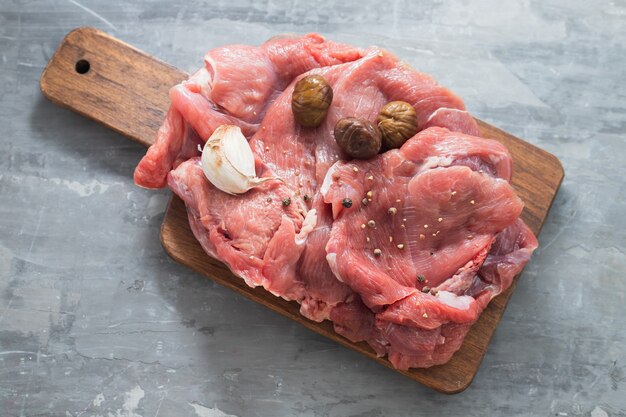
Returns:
(126, 90)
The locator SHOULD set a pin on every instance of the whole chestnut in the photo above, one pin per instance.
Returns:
(397, 122)
(311, 97)
(358, 138)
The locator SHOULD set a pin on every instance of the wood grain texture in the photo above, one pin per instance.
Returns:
(126, 90)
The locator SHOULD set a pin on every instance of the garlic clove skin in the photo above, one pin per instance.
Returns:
(228, 162)
(237, 151)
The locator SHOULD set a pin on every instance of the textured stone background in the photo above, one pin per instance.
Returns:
(96, 320)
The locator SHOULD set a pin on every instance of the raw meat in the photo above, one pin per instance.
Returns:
(314, 250)
(442, 215)
(303, 156)
(361, 88)
(453, 119)
(235, 87)
(258, 237)
(437, 206)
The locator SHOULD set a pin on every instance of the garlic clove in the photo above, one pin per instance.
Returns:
(238, 151)
(228, 162)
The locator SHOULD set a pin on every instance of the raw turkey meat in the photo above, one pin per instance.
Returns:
(234, 87)
(427, 215)
(259, 238)
(410, 271)
(421, 253)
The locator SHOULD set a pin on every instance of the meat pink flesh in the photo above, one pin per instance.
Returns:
(280, 141)
(323, 290)
(235, 87)
(454, 119)
(245, 79)
(449, 218)
(258, 237)
(455, 216)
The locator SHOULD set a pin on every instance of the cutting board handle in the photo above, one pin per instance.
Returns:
(111, 82)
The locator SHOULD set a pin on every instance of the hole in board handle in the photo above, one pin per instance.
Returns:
(82, 66)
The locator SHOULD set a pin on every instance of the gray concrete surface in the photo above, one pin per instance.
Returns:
(95, 320)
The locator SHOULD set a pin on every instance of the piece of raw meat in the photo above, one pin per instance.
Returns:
(287, 248)
(234, 87)
(255, 234)
(427, 216)
(245, 79)
(454, 119)
(361, 88)
(302, 156)
(434, 209)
